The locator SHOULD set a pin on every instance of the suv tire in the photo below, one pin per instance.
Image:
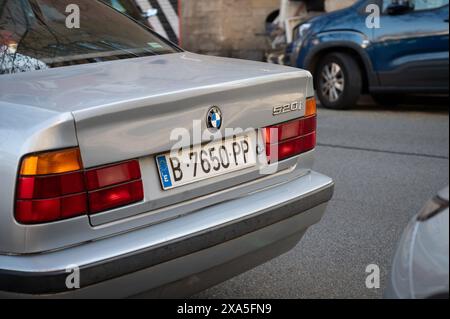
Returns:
(338, 81)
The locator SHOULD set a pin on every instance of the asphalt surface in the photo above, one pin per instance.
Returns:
(386, 162)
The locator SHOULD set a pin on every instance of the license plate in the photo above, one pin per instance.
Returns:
(206, 161)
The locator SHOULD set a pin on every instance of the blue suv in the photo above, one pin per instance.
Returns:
(349, 52)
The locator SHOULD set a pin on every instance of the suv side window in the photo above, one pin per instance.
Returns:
(418, 5)
(428, 4)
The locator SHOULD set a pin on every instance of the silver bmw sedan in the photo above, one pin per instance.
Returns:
(131, 168)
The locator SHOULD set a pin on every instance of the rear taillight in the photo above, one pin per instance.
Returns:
(112, 175)
(114, 186)
(109, 198)
(53, 186)
(292, 138)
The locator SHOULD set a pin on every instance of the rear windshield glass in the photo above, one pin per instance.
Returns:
(43, 34)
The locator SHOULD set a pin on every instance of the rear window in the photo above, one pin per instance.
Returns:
(43, 34)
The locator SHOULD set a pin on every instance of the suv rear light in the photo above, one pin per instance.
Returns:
(292, 138)
(53, 186)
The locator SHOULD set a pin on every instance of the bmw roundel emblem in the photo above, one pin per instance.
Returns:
(214, 119)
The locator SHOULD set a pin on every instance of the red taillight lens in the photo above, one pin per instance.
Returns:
(48, 210)
(292, 138)
(290, 148)
(112, 175)
(104, 197)
(40, 187)
(309, 125)
(53, 186)
(115, 197)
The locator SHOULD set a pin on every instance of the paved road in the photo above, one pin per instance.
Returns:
(386, 163)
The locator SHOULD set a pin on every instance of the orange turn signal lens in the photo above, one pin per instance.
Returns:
(311, 107)
(52, 162)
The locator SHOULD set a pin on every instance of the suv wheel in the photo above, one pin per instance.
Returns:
(338, 81)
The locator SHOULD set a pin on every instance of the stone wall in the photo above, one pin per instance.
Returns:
(232, 28)
(332, 5)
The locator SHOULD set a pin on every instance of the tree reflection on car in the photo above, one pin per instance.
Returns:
(36, 37)
(13, 62)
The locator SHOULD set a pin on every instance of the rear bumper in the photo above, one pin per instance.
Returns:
(191, 253)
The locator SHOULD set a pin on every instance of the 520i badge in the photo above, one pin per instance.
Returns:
(292, 107)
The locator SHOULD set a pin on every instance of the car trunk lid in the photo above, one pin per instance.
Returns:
(128, 109)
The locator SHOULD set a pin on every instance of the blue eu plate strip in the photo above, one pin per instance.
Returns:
(164, 171)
